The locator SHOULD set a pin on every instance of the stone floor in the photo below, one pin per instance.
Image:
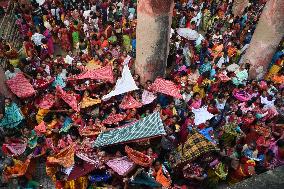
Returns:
(268, 180)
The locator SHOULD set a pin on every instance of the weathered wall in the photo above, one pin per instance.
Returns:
(268, 34)
(153, 33)
(239, 6)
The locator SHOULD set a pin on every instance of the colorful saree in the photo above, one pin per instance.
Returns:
(14, 148)
(18, 169)
(87, 102)
(66, 125)
(241, 77)
(138, 157)
(195, 146)
(122, 165)
(70, 99)
(81, 182)
(114, 118)
(40, 128)
(47, 101)
(86, 152)
(128, 102)
(21, 86)
(12, 117)
(65, 157)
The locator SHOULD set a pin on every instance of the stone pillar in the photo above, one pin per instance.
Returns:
(266, 37)
(4, 91)
(239, 6)
(153, 35)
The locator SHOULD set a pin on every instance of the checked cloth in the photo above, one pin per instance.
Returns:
(147, 127)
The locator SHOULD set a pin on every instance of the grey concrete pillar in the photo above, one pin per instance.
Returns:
(152, 35)
(267, 36)
(239, 6)
(4, 91)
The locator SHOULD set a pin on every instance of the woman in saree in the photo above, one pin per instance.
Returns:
(49, 38)
(231, 131)
(161, 175)
(278, 150)
(12, 116)
(278, 78)
(65, 40)
(194, 173)
(193, 75)
(241, 170)
(217, 50)
(11, 54)
(75, 34)
(126, 41)
(206, 18)
(241, 76)
(16, 169)
(206, 66)
(276, 67)
(28, 47)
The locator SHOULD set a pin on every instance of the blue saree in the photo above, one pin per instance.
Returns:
(12, 116)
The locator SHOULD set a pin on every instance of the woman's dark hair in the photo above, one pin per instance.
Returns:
(195, 94)
(59, 175)
(239, 112)
(270, 153)
(280, 143)
(26, 38)
(41, 140)
(44, 41)
(48, 117)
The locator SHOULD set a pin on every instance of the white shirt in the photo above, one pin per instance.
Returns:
(187, 96)
(68, 59)
(47, 69)
(10, 75)
(266, 102)
(63, 74)
(221, 61)
(220, 106)
(36, 38)
(86, 14)
(66, 23)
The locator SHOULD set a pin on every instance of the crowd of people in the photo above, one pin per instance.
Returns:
(221, 127)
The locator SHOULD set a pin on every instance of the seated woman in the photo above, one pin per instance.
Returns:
(278, 150)
(16, 169)
(241, 76)
(42, 82)
(241, 170)
(12, 117)
(161, 175)
(193, 174)
(195, 102)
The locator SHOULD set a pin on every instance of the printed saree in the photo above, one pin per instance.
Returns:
(114, 118)
(18, 169)
(195, 146)
(138, 157)
(87, 102)
(12, 117)
(86, 152)
(65, 157)
(121, 165)
(128, 102)
(14, 148)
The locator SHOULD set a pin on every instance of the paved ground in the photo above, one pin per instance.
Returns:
(268, 180)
